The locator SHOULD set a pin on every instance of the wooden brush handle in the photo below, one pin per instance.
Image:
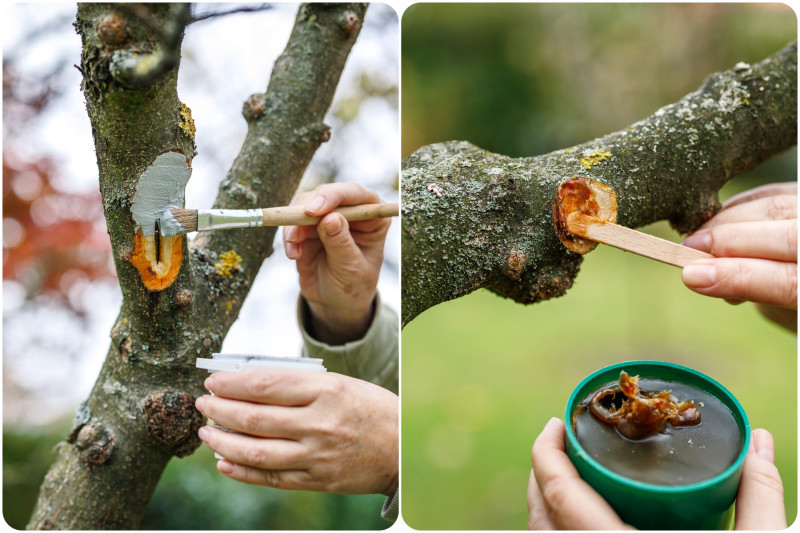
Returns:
(642, 243)
(295, 215)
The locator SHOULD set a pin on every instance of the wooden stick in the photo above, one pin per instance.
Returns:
(633, 241)
(296, 216)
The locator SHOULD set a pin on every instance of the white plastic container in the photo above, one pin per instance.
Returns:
(237, 362)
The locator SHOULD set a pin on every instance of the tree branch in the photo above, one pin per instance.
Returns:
(284, 130)
(242, 9)
(141, 410)
(473, 219)
(136, 70)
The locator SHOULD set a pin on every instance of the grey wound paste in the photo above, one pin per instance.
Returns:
(160, 188)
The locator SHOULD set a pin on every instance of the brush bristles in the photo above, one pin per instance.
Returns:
(186, 218)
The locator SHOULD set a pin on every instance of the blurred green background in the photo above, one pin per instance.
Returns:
(481, 375)
(191, 494)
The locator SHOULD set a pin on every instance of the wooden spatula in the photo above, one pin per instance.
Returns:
(630, 240)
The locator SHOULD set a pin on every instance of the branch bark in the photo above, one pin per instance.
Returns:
(474, 219)
(141, 410)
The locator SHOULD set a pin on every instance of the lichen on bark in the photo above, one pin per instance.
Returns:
(468, 212)
(140, 412)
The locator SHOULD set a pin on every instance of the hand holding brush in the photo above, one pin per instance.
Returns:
(338, 261)
(177, 221)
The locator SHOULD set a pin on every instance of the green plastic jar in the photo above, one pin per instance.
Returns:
(706, 504)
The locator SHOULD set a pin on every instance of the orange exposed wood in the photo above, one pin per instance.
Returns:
(587, 197)
(157, 275)
(585, 213)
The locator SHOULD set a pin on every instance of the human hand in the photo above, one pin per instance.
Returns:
(338, 262)
(759, 503)
(559, 499)
(303, 431)
(557, 496)
(754, 239)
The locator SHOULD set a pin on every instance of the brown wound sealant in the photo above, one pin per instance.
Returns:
(674, 449)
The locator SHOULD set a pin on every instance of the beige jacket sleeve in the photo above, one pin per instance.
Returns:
(373, 358)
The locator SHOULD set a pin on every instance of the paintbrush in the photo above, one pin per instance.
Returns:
(176, 221)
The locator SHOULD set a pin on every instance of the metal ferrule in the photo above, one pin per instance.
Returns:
(208, 219)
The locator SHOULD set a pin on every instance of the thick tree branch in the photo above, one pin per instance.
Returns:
(284, 130)
(141, 410)
(137, 70)
(474, 219)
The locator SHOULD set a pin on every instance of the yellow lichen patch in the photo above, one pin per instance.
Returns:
(229, 261)
(594, 158)
(158, 269)
(186, 122)
(229, 305)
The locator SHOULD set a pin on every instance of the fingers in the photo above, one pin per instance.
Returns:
(756, 280)
(786, 318)
(771, 189)
(759, 504)
(275, 387)
(776, 207)
(253, 418)
(270, 454)
(366, 233)
(776, 240)
(322, 201)
(294, 238)
(571, 503)
(345, 258)
(538, 518)
(759, 229)
(329, 196)
(279, 479)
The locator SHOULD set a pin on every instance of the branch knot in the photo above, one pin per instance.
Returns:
(254, 107)
(173, 421)
(95, 442)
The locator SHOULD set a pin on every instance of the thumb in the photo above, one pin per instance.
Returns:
(341, 250)
(759, 504)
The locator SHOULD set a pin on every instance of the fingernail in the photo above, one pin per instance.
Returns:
(332, 226)
(291, 234)
(209, 383)
(700, 240)
(763, 445)
(225, 466)
(553, 420)
(200, 403)
(699, 275)
(291, 250)
(315, 205)
(203, 433)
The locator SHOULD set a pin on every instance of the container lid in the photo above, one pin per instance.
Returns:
(234, 362)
